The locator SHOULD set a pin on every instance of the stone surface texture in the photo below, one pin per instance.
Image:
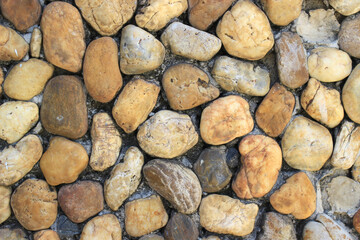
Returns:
(282, 12)
(278, 227)
(346, 7)
(348, 39)
(35, 43)
(46, 235)
(102, 228)
(12, 45)
(5, 210)
(350, 95)
(180, 227)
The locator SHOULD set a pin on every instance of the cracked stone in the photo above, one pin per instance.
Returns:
(346, 7)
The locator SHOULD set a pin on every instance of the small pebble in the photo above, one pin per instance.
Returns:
(35, 43)
(349, 36)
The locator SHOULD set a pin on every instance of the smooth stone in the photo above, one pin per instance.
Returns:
(261, 161)
(240, 76)
(335, 230)
(16, 162)
(140, 51)
(124, 179)
(220, 124)
(46, 235)
(167, 134)
(13, 47)
(176, 183)
(296, 197)
(101, 70)
(143, 216)
(187, 86)
(350, 95)
(181, 227)
(63, 36)
(12, 234)
(282, 12)
(63, 96)
(81, 200)
(134, 104)
(34, 204)
(232, 157)
(225, 215)
(315, 231)
(152, 237)
(27, 79)
(356, 221)
(346, 7)
(63, 161)
(245, 31)
(102, 227)
(190, 42)
(278, 227)
(349, 36)
(106, 142)
(35, 43)
(5, 210)
(16, 119)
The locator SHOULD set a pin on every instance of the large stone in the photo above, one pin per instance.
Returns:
(35, 43)
(63, 36)
(5, 210)
(12, 234)
(102, 227)
(240, 76)
(278, 227)
(181, 227)
(282, 12)
(221, 124)
(187, 86)
(349, 36)
(124, 179)
(12, 45)
(346, 7)
(176, 183)
(350, 95)
(245, 31)
(226, 215)
(46, 235)
(34, 204)
(64, 96)
(167, 134)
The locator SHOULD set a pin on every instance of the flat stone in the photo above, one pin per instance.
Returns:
(296, 197)
(12, 234)
(187, 86)
(124, 179)
(101, 70)
(278, 227)
(63, 161)
(240, 76)
(181, 227)
(176, 183)
(245, 31)
(35, 43)
(63, 36)
(16, 162)
(152, 237)
(190, 42)
(102, 227)
(63, 96)
(346, 7)
(349, 36)
(27, 79)
(356, 221)
(134, 104)
(282, 12)
(106, 142)
(144, 216)
(226, 215)
(46, 235)
(5, 210)
(220, 124)
(350, 95)
(13, 47)
(261, 160)
(34, 204)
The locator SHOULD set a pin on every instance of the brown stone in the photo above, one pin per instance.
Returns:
(64, 96)
(46, 235)
(102, 227)
(12, 45)
(181, 227)
(187, 86)
(350, 95)
(282, 12)
(356, 221)
(152, 237)
(12, 234)
(35, 43)
(279, 227)
(349, 36)
(5, 210)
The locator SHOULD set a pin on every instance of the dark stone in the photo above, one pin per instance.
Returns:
(181, 227)
(232, 157)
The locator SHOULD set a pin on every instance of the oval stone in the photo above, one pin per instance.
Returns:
(102, 227)
(350, 95)
(282, 12)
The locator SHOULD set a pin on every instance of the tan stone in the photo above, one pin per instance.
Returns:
(296, 197)
(35, 43)
(349, 36)
(346, 7)
(5, 210)
(350, 95)
(46, 235)
(134, 104)
(187, 86)
(282, 12)
(16, 162)
(226, 215)
(225, 119)
(12, 46)
(12, 234)
(102, 227)
(278, 227)
(143, 216)
(245, 31)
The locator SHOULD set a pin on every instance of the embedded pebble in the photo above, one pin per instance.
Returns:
(346, 7)
(181, 227)
(350, 95)
(13, 47)
(282, 12)
(102, 227)
(35, 43)
(349, 36)
(279, 227)
(5, 210)
(12, 234)
(356, 221)
(46, 235)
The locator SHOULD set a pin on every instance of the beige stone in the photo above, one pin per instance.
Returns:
(101, 228)
(282, 12)
(349, 36)
(278, 227)
(5, 210)
(12, 234)
(335, 230)
(46, 235)
(35, 43)
(315, 231)
(351, 96)
(346, 7)
(12, 46)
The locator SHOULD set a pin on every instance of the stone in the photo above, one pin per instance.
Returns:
(189, 42)
(27, 79)
(356, 221)
(296, 197)
(13, 47)
(16, 162)
(245, 31)
(350, 95)
(225, 215)
(1, 80)
(34, 204)
(181, 227)
(306, 145)
(275, 111)
(35, 43)
(124, 179)
(106, 16)
(167, 134)
(335, 230)
(106, 142)
(157, 13)
(282, 12)
(63, 96)
(16, 119)
(315, 231)
(349, 36)
(102, 227)
(63, 161)
(221, 124)
(140, 51)
(261, 160)
(152, 237)
(243, 77)
(22, 13)
(12, 234)
(63, 36)
(278, 227)
(212, 169)
(346, 7)
(322, 104)
(187, 86)
(134, 104)
(291, 60)
(212, 238)
(5, 210)
(46, 235)
(202, 14)
(355, 171)
(174, 182)
(81, 200)
(143, 216)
